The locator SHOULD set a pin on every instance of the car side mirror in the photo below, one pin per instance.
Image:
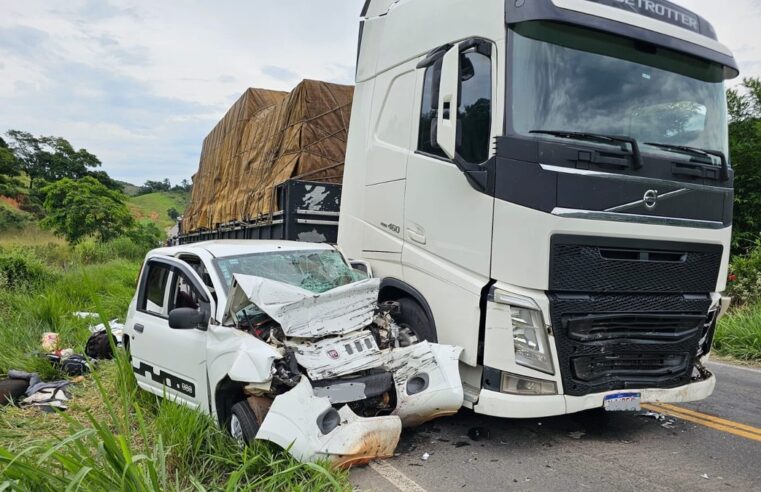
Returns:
(186, 319)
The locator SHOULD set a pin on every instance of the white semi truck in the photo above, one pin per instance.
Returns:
(546, 184)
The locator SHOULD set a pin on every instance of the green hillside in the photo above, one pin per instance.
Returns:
(129, 188)
(154, 206)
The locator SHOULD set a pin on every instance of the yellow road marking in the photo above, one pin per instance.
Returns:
(728, 426)
(718, 420)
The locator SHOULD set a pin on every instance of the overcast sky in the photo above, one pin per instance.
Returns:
(140, 83)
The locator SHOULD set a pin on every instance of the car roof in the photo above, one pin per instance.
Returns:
(232, 247)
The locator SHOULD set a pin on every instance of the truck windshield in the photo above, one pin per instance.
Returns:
(565, 78)
(313, 270)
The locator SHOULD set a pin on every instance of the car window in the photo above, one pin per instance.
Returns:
(183, 294)
(316, 271)
(155, 289)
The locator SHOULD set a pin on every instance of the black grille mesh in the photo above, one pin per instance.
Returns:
(615, 266)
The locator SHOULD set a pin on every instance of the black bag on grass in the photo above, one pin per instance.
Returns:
(98, 347)
(12, 390)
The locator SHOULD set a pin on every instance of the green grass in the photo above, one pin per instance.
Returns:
(154, 206)
(739, 334)
(113, 436)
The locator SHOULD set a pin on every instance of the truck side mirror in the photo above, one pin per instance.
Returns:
(186, 319)
(446, 127)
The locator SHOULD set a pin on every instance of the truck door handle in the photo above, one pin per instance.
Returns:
(416, 236)
(139, 328)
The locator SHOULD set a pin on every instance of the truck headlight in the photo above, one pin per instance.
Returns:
(532, 348)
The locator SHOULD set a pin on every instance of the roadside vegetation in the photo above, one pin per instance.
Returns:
(160, 207)
(739, 334)
(71, 242)
(113, 437)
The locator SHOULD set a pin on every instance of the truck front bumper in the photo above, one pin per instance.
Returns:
(525, 407)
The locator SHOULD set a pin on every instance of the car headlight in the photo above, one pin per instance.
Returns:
(532, 348)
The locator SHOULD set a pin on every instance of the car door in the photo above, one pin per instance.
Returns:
(170, 362)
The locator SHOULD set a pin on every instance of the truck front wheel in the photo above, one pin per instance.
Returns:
(243, 426)
(414, 322)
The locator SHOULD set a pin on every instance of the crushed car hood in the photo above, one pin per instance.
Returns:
(305, 314)
(347, 352)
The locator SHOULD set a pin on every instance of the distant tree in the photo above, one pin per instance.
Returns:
(184, 186)
(50, 158)
(155, 186)
(173, 213)
(80, 208)
(9, 169)
(146, 234)
(105, 180)
(744, 105)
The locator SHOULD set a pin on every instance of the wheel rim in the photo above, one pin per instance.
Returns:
(236, 430)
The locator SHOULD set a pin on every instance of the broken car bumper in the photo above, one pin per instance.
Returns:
(311, 429)
(427, 382)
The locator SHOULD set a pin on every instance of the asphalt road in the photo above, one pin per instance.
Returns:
(588, 451)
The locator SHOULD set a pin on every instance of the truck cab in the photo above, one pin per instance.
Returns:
(547, 184)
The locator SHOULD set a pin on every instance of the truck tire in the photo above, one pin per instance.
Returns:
(413, 317)
(243, 426)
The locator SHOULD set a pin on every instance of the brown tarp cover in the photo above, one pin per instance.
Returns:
(265, 138)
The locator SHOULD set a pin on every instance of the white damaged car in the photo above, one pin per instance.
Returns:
(286, 342)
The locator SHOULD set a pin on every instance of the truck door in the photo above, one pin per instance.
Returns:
(167, 361)
(448, 222)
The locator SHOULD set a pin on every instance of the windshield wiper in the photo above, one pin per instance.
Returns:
(697, 152)
(598, 137)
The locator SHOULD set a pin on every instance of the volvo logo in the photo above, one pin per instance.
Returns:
(650, 199)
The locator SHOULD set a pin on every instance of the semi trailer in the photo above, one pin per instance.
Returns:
(546, 184)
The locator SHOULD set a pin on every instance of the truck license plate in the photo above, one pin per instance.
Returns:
(622, 402)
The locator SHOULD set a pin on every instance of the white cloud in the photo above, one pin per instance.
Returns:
(140, 83)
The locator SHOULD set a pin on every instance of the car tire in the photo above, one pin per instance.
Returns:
(412, 316)
(243, 425)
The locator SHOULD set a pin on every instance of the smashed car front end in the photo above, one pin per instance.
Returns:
(344, 381)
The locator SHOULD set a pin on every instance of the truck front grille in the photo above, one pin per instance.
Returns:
(628, 370)
(602, 264)
(626, 341)
(633, 328)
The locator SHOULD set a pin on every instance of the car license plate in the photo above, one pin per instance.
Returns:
(622, 402)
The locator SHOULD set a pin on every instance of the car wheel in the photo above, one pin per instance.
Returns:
(243, 426)
(414, 323)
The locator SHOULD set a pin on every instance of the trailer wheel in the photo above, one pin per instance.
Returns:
(414, 322)
(243, 426)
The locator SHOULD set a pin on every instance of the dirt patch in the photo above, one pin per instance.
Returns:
(10, 201)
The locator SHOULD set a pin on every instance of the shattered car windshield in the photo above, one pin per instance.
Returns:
(315, 270)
